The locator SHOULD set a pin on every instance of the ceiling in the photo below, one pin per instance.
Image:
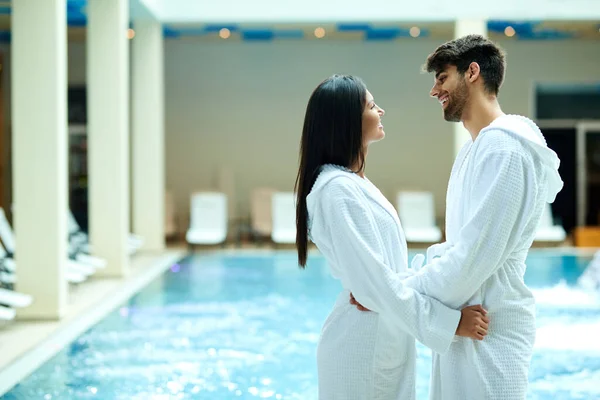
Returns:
(530, 30)
(393, 30)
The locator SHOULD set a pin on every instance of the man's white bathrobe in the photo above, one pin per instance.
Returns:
(369, 355)
(498, 187)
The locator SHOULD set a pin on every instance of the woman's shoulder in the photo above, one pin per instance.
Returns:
(336, 180)
(334, 187)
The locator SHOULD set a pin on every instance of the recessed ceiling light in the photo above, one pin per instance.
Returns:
(320, 32)
(224, 33)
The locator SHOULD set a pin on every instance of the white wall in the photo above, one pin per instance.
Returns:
(241, 105)
(546, 62)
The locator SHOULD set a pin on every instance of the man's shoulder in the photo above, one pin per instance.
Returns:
(496, 140)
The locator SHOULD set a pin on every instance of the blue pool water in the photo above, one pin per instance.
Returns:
(246, 326)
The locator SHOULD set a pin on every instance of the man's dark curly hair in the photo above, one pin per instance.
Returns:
(463, 51)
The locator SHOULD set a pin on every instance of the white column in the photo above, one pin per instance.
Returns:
(148, 152)
(39, 120)
(108, 132)
(463, 28)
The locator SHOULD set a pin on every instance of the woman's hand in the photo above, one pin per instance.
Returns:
(473, 322)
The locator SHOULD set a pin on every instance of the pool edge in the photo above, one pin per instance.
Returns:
(145, 269)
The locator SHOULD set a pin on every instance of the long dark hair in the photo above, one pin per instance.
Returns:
(332, 134)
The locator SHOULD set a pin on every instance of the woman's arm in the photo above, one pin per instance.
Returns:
(357, 247)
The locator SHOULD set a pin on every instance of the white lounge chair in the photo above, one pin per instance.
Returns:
(7, 268)
(134, 242)
(7, 263)
(547, 231)
(170, 216)
(416, 210)
(77, 237)
(283, 212)
(76, 272)
(14, 299)
(10, 298)
(7, 313)
(75, 277)
(261, 213)
(78, 246)
(208, 219)
(7, 278)
(6, 234)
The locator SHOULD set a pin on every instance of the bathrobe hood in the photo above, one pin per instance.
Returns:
(530, 135)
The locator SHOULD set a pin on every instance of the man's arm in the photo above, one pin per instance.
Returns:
(356, 245)
(500, 206)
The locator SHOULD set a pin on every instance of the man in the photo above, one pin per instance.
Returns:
(500, 182)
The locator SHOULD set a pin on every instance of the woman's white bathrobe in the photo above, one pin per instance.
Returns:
(369, 355)
(499, 185)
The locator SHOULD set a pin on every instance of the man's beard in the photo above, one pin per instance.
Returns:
(456, 103)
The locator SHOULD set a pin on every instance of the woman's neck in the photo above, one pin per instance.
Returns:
(358, 171)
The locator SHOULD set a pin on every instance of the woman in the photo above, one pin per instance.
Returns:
(363, 355)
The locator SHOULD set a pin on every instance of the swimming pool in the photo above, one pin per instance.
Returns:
(246, 325)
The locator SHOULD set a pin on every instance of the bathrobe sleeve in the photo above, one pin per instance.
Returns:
(357, 247)
(501, 197)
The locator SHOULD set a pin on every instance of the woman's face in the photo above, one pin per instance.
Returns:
(372, 129)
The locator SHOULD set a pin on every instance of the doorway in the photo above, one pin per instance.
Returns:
(588, 173)
(569, 117)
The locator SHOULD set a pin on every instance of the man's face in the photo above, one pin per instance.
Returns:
(450, 88)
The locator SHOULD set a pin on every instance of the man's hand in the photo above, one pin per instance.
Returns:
(473, 322)
(357, 304)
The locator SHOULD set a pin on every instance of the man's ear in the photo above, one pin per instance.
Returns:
(473, 72)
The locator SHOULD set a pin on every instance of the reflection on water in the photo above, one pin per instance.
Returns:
(231, 327)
